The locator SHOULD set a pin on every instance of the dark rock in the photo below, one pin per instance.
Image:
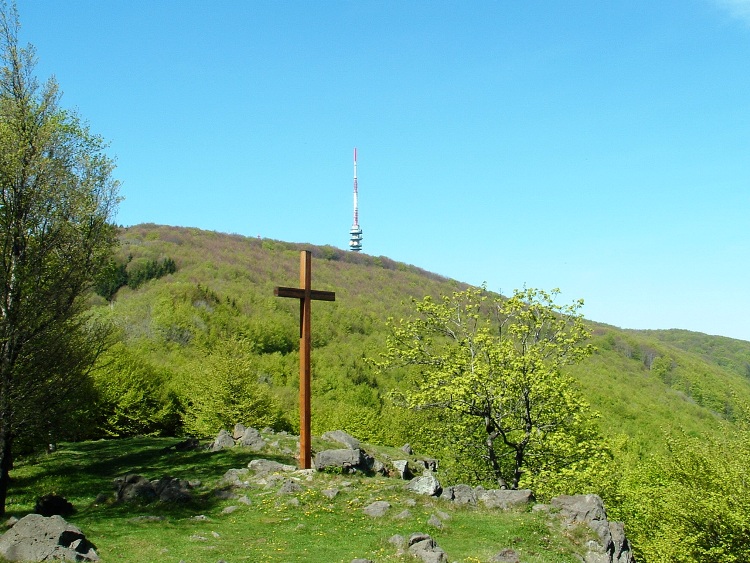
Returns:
(406, 448)
(342, 438)
(430, 464)
(39, 538)
(50, 505)
(417, 537)
(186, 445)
(134, 488)
(169, 489)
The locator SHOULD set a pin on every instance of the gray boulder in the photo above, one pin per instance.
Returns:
(134, 488)
(252, 439)
(427, 484)
(223, 441)
(289, 487)
(39, 538)
(402, 469)
(613, 546)
(267, 467)
(238, 431)
(169, 489)
(423, 547)
(346, 459)
(505, 498)
(460, 494)
(236, 478)
(377, 508)
(342, 438)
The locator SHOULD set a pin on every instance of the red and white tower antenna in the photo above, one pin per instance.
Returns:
(355, 242)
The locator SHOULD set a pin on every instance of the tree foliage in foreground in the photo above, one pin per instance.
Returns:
(494, 367)
(57, 198)
(692, 504)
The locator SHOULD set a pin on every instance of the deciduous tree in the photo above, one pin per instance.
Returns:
(495, 366)
(57, 198)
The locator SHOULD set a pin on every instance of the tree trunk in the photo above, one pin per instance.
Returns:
(6, 462)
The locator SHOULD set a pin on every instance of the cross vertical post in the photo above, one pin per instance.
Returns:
(305, 275)
(305, 295)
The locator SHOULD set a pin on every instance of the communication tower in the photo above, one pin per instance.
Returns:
(355, 242)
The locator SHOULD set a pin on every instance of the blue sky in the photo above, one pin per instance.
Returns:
(599, 147)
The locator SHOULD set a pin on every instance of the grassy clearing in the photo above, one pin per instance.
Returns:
(273, 528)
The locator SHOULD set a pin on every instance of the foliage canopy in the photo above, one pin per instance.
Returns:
(57, 198)
(496, 366)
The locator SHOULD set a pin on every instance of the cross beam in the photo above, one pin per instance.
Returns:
(305, 296)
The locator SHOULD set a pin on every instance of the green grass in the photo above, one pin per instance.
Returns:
(306, 526)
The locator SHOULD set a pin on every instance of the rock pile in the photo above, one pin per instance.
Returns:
(240, 436)
(613, 546)
(167, 489)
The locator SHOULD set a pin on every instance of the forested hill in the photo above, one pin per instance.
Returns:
(201, 342)
(220, 287)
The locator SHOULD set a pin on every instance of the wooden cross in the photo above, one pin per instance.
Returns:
(305, 296)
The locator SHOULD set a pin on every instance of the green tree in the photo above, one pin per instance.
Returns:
(494, 367)
(57, 198)
(222, 389)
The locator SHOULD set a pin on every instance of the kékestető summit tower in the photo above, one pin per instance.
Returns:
(355, 240)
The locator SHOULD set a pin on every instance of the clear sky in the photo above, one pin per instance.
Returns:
(599, 147)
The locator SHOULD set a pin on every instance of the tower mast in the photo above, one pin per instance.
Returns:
(355, 242)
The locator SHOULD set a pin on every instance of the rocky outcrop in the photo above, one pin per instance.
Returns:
(612, 546)
(40, 538)
(240, 436)
(346, 460)
(460, 494)
(504, 498)
(423, 547)
(133, 488)
(342, 438)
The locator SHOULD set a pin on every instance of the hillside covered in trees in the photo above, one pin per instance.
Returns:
(199, 341)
